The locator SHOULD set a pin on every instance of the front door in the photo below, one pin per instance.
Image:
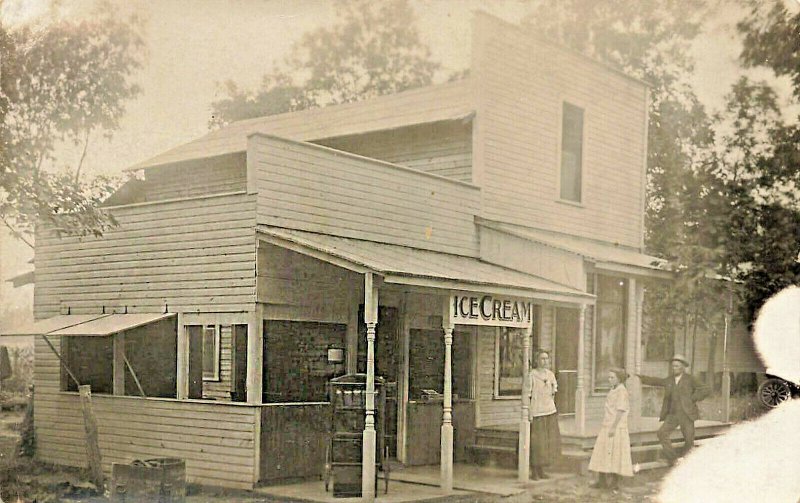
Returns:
(566, 358)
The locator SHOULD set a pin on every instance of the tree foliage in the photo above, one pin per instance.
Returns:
(772, 39)
(769, 243)
(373, 49)
(722, 189)
(61, 82)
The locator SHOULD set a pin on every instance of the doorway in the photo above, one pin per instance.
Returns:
(566, 358)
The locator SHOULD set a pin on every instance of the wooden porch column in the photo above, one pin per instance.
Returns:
(182, 393)
(255, 354)
(634, 365)
(726, 374)
(446, 457)
(402, 387)
(523, 463)
(369, 438)
(580, 391)
(118, 363)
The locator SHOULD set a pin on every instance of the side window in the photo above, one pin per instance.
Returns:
(571, 152)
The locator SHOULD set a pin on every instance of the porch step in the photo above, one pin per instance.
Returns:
(646, 457)
(496, 438)
(492, 455)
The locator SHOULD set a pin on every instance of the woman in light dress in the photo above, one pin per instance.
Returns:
(545, 435)
(611, 457)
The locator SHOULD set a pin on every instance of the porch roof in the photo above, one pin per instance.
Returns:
(85, 324)
(421, 268)
(604, 255)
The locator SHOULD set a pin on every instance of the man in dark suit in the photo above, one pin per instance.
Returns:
(682, 391)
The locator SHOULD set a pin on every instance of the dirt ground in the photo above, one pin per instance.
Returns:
(24, 481)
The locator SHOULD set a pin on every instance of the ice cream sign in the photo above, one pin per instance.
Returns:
(476, 309)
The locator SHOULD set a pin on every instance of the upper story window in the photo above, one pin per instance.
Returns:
(571, 152)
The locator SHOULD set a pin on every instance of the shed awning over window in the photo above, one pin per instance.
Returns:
(98, 325)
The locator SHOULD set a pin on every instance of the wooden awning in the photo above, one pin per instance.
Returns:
(85, 325)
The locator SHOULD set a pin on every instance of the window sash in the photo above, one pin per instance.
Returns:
(211, 352)
(571, 153)
(611, 327)
(508, 372)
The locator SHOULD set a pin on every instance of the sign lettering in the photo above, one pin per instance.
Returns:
(476, 309)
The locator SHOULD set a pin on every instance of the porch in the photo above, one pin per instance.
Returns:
(420, 484)
(497, 444)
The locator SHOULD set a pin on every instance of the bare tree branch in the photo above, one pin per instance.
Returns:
(83, 155)
(17, 234)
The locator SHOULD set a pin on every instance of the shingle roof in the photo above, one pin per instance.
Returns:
(436, 103)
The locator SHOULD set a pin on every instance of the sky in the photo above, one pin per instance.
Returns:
(194, 45)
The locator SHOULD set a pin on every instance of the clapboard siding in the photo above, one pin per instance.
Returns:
(207, 176)
(191, 255)
(498, 411)
(218, 441)
(742, 355)
(317, 189)
(521, 84)
(442, 148)
(293, 286)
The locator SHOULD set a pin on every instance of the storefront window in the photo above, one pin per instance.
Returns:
(509, 362)
(610, 325)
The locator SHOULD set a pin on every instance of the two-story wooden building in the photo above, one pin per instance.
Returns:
(446, 231)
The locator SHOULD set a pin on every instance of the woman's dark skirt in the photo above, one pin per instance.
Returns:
(545, 440)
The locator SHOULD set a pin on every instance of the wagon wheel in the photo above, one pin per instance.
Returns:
(773, 392)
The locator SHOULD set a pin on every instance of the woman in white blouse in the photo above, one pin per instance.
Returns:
(545, 435)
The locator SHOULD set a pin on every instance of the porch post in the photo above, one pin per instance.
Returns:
(182, 393)
(255, 354)
(369, 438)
(446, 457)
(118, 363)
(580, 393)
(523, 463)
(726, 375)
(633, 347)
(636, 406)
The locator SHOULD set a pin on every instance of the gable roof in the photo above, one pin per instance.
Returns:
(442, 102)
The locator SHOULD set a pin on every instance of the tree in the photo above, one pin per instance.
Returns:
(650, 40)
(770, 249)
(373, 49)
(61, 83)
(771, 37)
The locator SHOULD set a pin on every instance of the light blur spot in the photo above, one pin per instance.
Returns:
(755, 460)
(777, 334)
